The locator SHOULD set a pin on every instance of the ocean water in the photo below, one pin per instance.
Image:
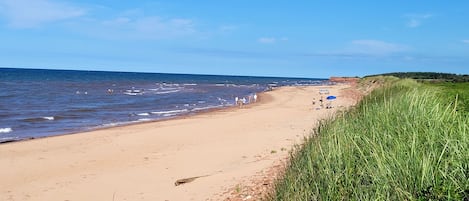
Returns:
(39, 103)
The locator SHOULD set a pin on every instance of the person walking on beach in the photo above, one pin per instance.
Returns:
(321, 102)
(236, 100)
(255, 97)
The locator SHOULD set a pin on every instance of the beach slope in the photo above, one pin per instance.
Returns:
(197, 157)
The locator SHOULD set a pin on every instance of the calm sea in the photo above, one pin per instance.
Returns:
(39, 103)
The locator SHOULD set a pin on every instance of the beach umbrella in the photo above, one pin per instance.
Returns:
(331, 97)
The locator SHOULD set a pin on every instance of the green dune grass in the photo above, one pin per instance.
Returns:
(455, 93)
(404, 141)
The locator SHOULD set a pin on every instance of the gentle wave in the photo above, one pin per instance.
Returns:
(49, 118)
(144, 114)
(6, 130)
(171, 88)
(83, 110)
(206, 108)
(168, 92)
(133, 93)
(169, 85)
(9, 139)
(39, 119)
(170, 112)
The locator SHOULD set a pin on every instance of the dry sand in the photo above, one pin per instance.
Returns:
(143, 162)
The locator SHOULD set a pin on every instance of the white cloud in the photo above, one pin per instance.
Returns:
(34, 13)
(139, 27)
(375, 47)
(416, 20)
(465, 41)
(413, 23)
(267, 40)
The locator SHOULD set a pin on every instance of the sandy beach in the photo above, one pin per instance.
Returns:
(142, 162)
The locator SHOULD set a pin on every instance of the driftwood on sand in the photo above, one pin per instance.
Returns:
(187, 180)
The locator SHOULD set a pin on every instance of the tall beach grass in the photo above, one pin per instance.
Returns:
(402, 142)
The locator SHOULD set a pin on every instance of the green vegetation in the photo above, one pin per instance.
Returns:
(457, 94)
(429, 76)
(404, 141)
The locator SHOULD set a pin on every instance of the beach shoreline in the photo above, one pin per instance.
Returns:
(143, 161)
(261, 95)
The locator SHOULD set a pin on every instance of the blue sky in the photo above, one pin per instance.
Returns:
(262, 38)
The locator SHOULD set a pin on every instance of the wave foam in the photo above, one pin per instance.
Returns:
(170, 112)
(49, 118)
(144, 114)
(168, 92)
(206, 108)
(5, 130)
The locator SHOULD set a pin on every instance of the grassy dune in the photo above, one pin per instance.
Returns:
(455, 93)
(404, 141)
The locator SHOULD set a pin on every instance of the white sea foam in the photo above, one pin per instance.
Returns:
(171, 85)
(110, 124)
(190, 84)
(206, 108)
(169, 112)
(171, 88)
(8, 139)
(49, 118)
(144, 114)
(167, 92)
(145, 119)
(5, 130)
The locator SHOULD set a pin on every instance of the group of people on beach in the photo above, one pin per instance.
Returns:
(252, 98)
(321, 103)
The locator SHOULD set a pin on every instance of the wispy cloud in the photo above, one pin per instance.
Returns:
(34, 13)
(416, 20)
(129, 24)
(227, 28)
(217, 52)
(375, 47)
(141, 27)
(270, 40)
(465, 41)
(365, 49)
(267, 40)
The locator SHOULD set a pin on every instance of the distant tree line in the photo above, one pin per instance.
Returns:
(428, 76)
